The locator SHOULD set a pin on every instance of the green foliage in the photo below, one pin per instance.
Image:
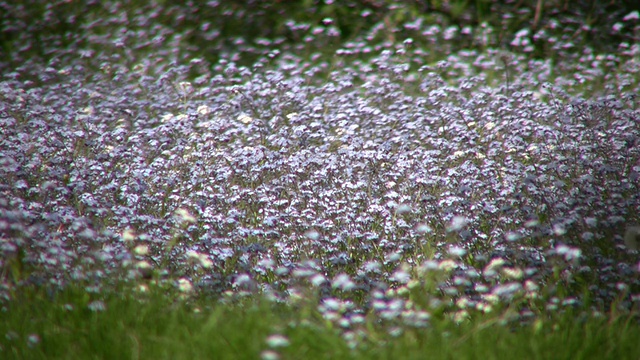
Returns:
(125, 323)
(386, 291)
(210, 29)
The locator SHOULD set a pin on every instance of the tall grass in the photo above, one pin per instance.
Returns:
(158, 324)
(416, 189)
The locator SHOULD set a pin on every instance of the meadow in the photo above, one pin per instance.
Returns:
(409, 185)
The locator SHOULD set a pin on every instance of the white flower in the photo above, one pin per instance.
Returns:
(457, 251)
(484, 307)
(462, 303)
(372, 266)
(185, 87)
(128, 235)
(205, 262)
(143, 265)
(202, 259)
(204, 110)
(192, 254)
(423, 228)
(531, 286)
(447, 265)
(559, 230)
(512, 236)
(97, 305)
(494, 264)
(457, 223)
(184, 215)
(269, 355)
(317, 280)
(507, 290)
(460, 316)
(184, 285)
(401, 276)
(277, 340)
(33, 340)
(569, 253)
(243, 282)
(166, 117)
(403, 209)
(141, 250)
(491, 298)
(245, 119)
(312, 235)
(343, 282)
(634, 15)
(513, 273)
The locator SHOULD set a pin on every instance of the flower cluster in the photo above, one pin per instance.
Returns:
(384, 183)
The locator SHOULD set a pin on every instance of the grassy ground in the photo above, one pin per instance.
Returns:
(152, 325)
(423, 183)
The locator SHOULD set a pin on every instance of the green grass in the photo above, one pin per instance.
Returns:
(159, 324)
(121, 322)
